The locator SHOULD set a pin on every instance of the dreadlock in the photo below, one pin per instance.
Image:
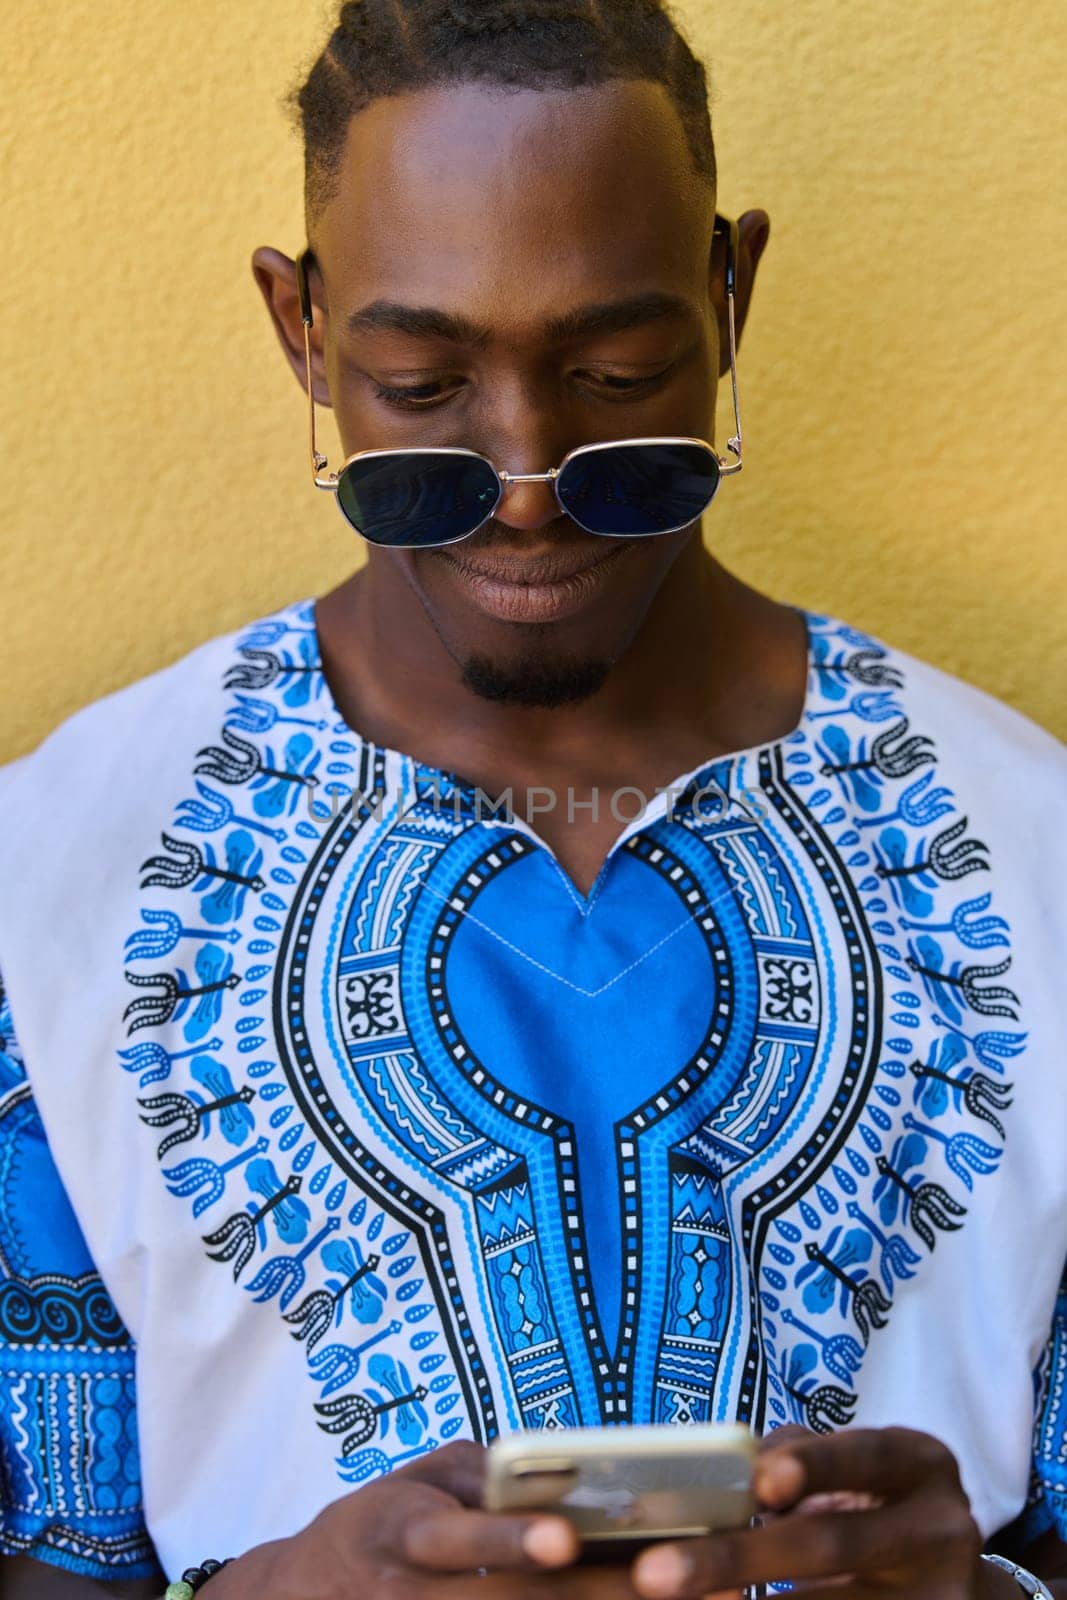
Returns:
(385, 47)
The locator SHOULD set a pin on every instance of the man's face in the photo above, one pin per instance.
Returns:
(520, 273)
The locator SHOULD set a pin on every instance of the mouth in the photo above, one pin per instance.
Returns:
(539, 586)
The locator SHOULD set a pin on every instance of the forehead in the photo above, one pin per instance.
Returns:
(513, 205)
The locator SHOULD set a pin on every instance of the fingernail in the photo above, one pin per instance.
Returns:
(778, 1478)
(659, 1574)
(550, 1544)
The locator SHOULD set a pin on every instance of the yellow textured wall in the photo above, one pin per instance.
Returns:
(903, 374)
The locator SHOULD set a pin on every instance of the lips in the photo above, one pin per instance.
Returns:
(553, 566)
(535, 586)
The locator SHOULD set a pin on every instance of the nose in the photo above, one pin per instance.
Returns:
(525, 433)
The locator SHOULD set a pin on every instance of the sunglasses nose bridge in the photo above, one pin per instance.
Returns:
(528, 500)
(507, 478)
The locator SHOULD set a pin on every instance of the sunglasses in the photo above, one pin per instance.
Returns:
(620, 489)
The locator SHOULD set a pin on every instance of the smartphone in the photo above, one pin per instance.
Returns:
(625, 1487)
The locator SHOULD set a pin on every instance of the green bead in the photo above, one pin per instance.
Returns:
(179, 1591)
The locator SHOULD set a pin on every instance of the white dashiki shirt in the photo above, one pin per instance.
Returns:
(336, 1124)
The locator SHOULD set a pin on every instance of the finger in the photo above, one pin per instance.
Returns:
(458, 1469)
(786, 1434)
(837, 1500)
(461, 1540)
(572, 1583)
(887, 1462)
(928, 1533)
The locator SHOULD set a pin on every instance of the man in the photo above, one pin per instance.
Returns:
(545, 981)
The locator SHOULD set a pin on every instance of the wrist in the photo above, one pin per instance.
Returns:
(258, 1573)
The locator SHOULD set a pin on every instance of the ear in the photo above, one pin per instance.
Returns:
(275, 274)
(754, 230)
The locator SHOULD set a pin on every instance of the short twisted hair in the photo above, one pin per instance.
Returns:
(385, 47)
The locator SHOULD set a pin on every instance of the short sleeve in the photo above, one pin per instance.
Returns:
(1046, 1506)
(70, 1483)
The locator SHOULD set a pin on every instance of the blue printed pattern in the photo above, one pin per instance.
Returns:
(69, 1469)
(834, 1098)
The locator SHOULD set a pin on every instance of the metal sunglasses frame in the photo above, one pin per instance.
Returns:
(330, 481)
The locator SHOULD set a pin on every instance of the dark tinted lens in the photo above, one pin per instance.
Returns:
(426, 497)
(636, 489)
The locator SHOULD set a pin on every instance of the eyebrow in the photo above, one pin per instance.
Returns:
(426, 322)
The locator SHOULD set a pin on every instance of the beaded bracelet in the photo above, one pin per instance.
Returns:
(193, 1578)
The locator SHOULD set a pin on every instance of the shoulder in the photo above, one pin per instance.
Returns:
(956, 758)
(115, 728)
(966, 724)
(108, 761)
(993, 730)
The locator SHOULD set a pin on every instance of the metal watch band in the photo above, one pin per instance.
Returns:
(1028, 1583)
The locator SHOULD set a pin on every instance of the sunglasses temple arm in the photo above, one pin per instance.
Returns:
(319, 462)
(734, 444)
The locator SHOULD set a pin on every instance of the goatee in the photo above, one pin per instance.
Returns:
(531, 681)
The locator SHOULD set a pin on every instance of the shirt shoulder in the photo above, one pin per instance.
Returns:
(993, 729)
(102, 769)
(984, 737)
(951, 747)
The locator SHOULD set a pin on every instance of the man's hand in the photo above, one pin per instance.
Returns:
(896, 1522)
(420, 1535)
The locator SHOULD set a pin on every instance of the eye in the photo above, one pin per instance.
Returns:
(414, 396)
(621, 383)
